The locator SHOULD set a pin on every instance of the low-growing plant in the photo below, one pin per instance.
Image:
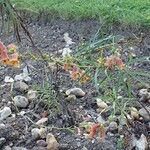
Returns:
(111, 69)
(47, 95)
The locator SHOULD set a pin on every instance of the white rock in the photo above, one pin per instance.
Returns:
(20, 101)
(52, 143)
(31, 95)
(21, 86)
(144, 113)
(101, 104)
(66, 52)
(35, 132)
(5, 112)
(143, 92)
(142, 143)
(75, 91)
(22, 77)
(18, 77)
(8, 79)
(42, 121)
(22, 113)
(67, 39)
(25, 70)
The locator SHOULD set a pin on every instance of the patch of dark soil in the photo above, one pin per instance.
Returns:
(49, 38)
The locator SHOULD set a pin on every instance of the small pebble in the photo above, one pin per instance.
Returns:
(5, 112)
(41, 143)
(21, 86)
(43, 132)
(42, 121)
(113, 127)
(31, 95)
(76, 91)
(143, 92)
(35, 132)
(101, 104)
(134, 113)
(8, 79)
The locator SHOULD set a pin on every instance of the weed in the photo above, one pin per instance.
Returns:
(112, 72)
(47, 95)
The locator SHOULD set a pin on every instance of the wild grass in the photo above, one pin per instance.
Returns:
(114, 85)
(128, 12)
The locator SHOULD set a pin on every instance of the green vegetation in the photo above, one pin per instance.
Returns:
(135, 12)
(112, 72)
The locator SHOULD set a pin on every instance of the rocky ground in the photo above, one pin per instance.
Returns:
(28, 116)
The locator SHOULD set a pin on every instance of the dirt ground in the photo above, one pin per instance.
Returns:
(49, 38)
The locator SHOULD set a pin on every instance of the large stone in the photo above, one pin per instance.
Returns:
(21, 101)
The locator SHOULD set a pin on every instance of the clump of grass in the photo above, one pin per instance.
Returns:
(47, 95)
(112, 72)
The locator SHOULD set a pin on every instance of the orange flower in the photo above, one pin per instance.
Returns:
(67, 67)
(13, 59)
(75, 73)
(93, 130)
(113, 61)
(97, 128)
(84, 79)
